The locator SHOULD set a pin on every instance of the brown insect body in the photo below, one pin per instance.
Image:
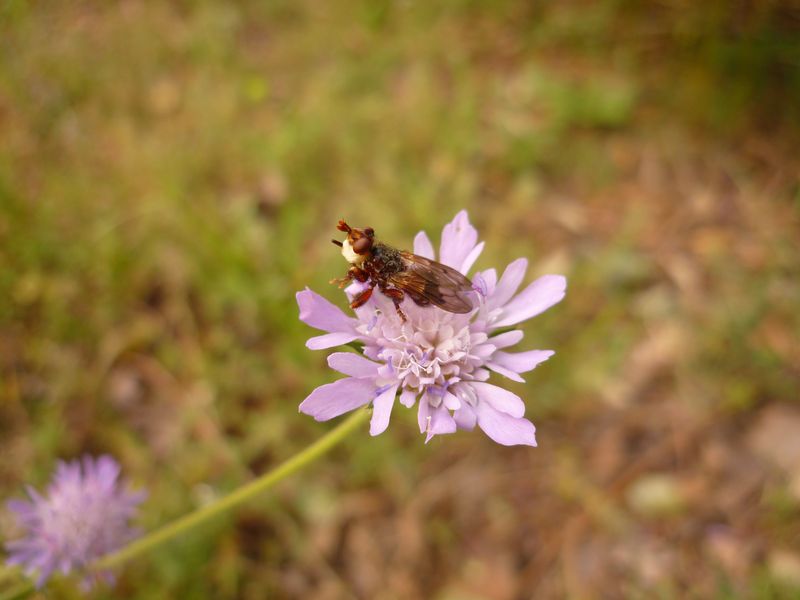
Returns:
(397, 273)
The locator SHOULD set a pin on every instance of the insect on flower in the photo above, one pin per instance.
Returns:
(440, 349)
(397, 273)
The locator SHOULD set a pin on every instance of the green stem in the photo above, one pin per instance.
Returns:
(235, 498)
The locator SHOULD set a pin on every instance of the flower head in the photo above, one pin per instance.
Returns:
(83, 516)
(436, 359)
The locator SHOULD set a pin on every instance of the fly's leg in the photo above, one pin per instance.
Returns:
(362, 298)
(396, 297)
(356, 273)
(340, 281)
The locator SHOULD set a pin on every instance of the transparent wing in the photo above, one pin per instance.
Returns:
(429, 282)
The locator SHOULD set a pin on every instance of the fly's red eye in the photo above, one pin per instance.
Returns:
(361, 245)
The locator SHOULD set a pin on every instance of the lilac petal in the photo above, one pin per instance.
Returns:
(509, 338)
(44, 575)
(512, 375)
(136, 497)
(440, 422)
(21, 508)
(423, 246)
(465, 417)
(322, 314)
(509, 283)
(355, 288)
(505, 429)
(106, 470)
(450, 401)
(330, 340)
(423, 414)
(480, 374)
(382, 410)
(498, 398)
(471, 258)
(488, 279)
(483, 351)
(408, 397)
(15, 549)
(352, 364)
(37, 498)
(334, 399)
(479, 285)
(534, 299)
(458, 240)
(67, 473)
(83, 515)
(522, 362)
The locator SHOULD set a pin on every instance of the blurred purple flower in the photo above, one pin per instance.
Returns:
(441, 358)
(83, 516)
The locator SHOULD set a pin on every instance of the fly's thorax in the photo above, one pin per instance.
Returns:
(389, 258)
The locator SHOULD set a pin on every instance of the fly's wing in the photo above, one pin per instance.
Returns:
(429, 282)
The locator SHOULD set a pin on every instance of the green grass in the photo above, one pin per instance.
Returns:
(170, 175)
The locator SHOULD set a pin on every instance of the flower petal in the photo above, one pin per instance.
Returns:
(322, 314)
(534, 299)
(83, 515)
(499, 398)
(423, 414)
(505, 429)
(512, 375)
(352, 364)
(522, 362)
(330, 340)
(355, 288)
(509, 338)
(471, 258)
(334, 399)
(509, 283)
(105, 469)
(458, 240)
(485, 281)
(437, 421)
(480, 374)
(465, 417)
(382, 410)
(23, 509)
(451, 401)
(408, 397)
(423, 246)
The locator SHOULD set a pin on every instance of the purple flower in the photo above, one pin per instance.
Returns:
(83, 516)
(441, 359)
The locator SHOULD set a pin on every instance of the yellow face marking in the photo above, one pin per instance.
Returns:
(351, 255)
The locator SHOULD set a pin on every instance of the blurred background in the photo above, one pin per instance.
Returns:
(170, 176)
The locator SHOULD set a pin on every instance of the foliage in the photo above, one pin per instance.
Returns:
(170, 174)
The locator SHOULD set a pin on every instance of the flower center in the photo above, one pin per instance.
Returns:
(432, 350)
